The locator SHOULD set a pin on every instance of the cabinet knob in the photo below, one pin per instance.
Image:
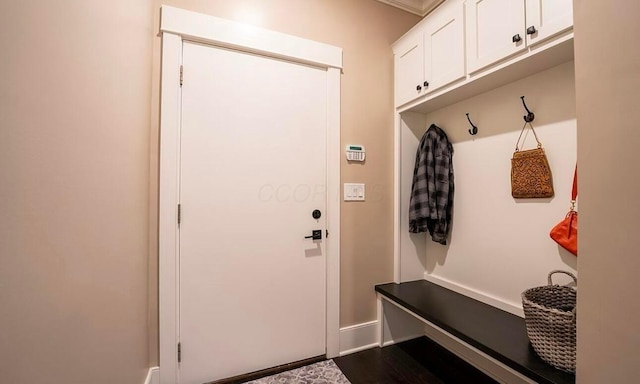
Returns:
(426, 83)
(531, 30)
(516, 38)
(419, 88)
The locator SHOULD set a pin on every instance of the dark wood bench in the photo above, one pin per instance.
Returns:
(498, 334)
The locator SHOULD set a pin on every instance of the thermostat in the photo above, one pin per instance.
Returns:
(355, 152)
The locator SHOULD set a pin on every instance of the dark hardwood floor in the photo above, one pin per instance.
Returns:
(415, 361)
(418, 361)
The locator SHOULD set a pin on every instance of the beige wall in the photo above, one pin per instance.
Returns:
(365, 30)
(74, 174)
(607, 84)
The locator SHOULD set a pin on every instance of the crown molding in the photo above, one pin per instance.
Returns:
(417, 7)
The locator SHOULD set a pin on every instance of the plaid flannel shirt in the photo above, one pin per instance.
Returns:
(430, 207)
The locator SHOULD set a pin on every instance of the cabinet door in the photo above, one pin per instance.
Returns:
(409, 68)
(444, 45)
(548, 17)
(492, 26)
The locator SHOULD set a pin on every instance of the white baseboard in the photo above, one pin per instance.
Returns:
(358, 337)
(475, 294)
(153, 377)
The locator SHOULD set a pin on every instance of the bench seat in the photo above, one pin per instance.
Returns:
(493, 331)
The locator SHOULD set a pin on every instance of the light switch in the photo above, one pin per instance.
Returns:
(353, 192)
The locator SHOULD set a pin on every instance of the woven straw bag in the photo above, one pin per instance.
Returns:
(530, 171)
(550, 318)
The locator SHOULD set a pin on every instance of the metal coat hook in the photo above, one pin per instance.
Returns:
(474, 129)
(529, 116)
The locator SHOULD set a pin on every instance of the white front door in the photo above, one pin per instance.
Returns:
(252, 288)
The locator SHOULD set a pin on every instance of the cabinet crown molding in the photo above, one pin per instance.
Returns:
(417, 7)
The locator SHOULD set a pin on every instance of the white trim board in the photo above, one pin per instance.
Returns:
(475, 294)
(168, 208)
(356, 338)
(176, 26)
(153, 376)
(225, 33)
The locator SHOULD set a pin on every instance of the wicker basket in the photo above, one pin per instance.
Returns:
(550, 317)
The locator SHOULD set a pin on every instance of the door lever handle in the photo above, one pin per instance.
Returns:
(316, 234)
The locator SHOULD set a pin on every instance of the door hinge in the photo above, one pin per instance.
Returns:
(179, 213)
(181, 75)
(179, 353)
(326, 233)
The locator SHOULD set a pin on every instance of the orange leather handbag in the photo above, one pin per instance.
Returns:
(565, 232)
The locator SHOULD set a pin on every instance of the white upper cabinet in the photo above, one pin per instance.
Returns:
(547, 18)
(432, 54)
(495, 29)
(409, 68)
(463, 41)
(444, 45)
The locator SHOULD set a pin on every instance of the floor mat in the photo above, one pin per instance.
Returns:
(324, 372)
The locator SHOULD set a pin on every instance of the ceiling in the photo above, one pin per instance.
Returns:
(418, 7)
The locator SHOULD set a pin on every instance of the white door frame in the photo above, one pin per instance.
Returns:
(177, 25)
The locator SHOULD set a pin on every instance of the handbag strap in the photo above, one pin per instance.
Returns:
(574, 190)
(534, 135)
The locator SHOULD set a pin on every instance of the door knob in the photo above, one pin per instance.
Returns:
(516, 38)
(531, 30)
(316, 234)
(426, 83)
(418, 88)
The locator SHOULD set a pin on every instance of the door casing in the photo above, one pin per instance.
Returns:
(177, 25)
